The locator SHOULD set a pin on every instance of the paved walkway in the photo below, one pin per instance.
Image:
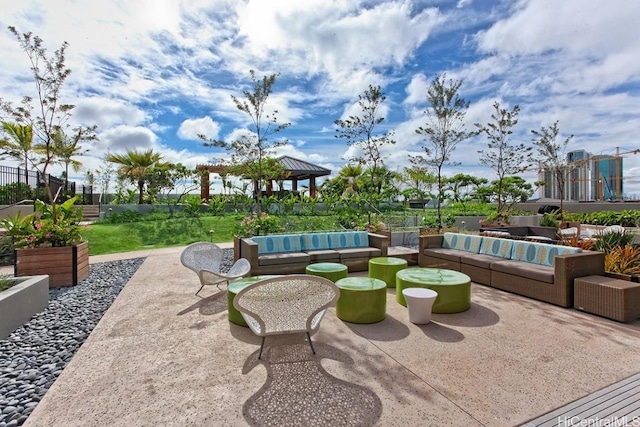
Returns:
(163, 356)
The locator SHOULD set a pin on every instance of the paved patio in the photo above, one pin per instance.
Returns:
(163, 356)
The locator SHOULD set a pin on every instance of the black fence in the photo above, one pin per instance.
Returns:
(17, 185)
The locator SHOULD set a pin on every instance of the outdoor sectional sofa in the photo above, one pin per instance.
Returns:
(537, 270)
(291, 253)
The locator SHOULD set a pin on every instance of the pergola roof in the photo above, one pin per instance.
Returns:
(297, 168)
(302, 170)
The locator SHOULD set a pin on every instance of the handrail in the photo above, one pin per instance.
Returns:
(21, 202)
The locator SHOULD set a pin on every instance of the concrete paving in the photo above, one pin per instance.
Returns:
(163, 356)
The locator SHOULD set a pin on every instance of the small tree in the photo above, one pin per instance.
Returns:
(50, 116)
(514, 190)
(361, 132)
(501, 155)
(418, 178)
(552, 156)
(250, 151)
(459, 182)
(444, 129)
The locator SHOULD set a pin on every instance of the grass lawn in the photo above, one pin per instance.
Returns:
(113, 238)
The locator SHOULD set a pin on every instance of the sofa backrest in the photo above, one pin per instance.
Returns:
(281, 243)
(539, 253)
(463, 242)
(348, 239)
(278, 243)
(496, 247)
(315, 241)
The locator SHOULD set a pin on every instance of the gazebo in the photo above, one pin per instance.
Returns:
(297, 170)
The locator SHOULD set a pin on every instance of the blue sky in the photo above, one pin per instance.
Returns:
(155, 73)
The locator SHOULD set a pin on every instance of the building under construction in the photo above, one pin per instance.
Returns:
(586, 177)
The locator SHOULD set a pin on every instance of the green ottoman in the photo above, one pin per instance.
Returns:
(385, 269)
(233, 289)
(453, 287)
(362, 300)
(329, 270)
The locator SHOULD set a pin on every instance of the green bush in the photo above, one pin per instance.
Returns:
(15, 192)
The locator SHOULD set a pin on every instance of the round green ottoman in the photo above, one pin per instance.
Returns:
(233, 289)
(329, 270)
(453, 287)
(362, 300)
(385, 269)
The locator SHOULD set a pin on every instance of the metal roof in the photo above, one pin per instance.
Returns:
(302, 170)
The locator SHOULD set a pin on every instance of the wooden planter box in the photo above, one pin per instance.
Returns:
(66, 266)
(21, 301)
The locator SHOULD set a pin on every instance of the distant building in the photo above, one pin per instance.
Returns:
(589, 177)
(606, 177)
(579, 176)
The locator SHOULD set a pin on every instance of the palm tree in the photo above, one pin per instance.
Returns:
(136, 166)
(350, 174)
(65, 148)
(19, 144)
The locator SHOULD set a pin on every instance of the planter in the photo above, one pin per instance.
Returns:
(65, 266)
(628, 277)
(21, 301)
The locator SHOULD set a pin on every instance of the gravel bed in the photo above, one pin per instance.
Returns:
(33, 356)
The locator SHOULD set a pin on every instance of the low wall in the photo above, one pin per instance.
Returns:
(9, 210)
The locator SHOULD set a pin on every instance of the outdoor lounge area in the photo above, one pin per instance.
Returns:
(164, 356)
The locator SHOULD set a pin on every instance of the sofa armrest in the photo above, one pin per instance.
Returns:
(379, 241)
(426, 242)
(570, 266)
(249, 250)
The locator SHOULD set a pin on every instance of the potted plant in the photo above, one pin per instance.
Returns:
(44, 244)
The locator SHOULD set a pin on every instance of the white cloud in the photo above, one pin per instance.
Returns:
(121, 138)
(191, 128)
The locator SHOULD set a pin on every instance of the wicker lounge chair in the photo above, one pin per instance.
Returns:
(205, 258)
(286, 305)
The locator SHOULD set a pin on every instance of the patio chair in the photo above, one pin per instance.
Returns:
(205, 259)
(286, 305)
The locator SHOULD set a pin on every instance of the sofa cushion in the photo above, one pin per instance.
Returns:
(324, 255)
(479, 260)
(541, 273)
(348, 239)
(463, 242)
(315, 242)
(496, 247)
(278, 243)
(284, 258)
(349, 253)
(540, 253)
(448, 254)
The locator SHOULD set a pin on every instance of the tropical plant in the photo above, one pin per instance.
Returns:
(607, 241)
(42, 229)
(67, 147)
(18, 144)
(258, 223)
(444, 130)
(136, 166)
(623, 260)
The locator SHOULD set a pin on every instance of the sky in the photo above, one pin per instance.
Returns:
(156, 73)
